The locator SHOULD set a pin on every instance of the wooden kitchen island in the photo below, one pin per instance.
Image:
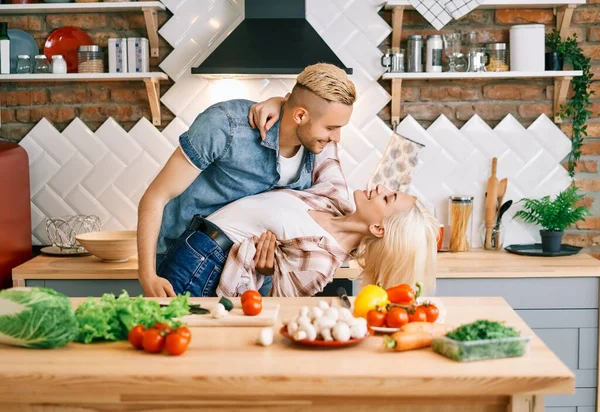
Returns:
(225, 370)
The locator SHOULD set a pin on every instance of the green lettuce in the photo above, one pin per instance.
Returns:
(110, 318)
(36, 318)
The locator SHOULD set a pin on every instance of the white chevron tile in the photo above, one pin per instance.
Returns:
(355, 143)
(184, 92)
(517, 138)
(86, 142)
(378, 133)
(370, 24)
(483, 137)
(53, 143)
(34, 150)
(84, 202)
(173, 130)
(52, 204)
(41, 171)
(120, 207)
(104, 174)
(129, 181)
(118, 141)
(450, 139)
(324, 13)
(152, 141)
(339, 33)
(551, 137)
(62, 181)
(366, 108)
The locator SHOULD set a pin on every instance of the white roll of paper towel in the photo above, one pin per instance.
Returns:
(527, 45)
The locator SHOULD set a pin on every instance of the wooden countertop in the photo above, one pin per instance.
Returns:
(475, 264)
(225, 366)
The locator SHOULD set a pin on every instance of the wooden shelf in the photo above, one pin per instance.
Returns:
(149, 8)
(485, 75)
(151, 80)
(501, 4)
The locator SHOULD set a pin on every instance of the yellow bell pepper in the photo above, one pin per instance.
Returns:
(371, 297)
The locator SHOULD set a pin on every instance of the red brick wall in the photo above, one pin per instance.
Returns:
(525, 99)
(23, 104)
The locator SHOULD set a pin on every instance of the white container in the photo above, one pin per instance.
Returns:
(59, 65)
(434, 53)
(117, 55)
(138, 55)
(527, 45)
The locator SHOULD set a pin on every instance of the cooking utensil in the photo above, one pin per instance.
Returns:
(491, 204)
(267, 317)
(325, 343)
(502, 185)
(344, 297)
(505, 206)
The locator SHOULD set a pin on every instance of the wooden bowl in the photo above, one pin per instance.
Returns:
(110, 246)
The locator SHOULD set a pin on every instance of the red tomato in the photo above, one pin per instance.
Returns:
(397, 317)
(183, 331)
(153, 341)
(136, 335)
(417, 314)
(176, 344)
(376, 318)
(401, 294)
(251, 307)
(251, 294)
(431, 311)
(165, 328)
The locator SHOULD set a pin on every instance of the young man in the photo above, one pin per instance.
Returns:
(222, 158)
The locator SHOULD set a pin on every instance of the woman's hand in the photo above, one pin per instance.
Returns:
(265, 114)
(264, 259)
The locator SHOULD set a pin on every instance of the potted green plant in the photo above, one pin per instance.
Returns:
(553, 216)
(555, 57)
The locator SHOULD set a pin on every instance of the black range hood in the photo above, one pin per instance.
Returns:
(275, 39)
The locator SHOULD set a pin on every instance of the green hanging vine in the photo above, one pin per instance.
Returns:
(577, 106)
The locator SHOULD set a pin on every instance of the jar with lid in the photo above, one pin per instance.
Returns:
(460, 216)
(90, 59)
(434, 53)
(59, 65)
(497, 59)
(415, 53)
(24, 64)
(41, 64)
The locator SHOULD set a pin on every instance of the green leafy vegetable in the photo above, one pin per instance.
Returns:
(482, 339)
(110, 318)
(36, 318)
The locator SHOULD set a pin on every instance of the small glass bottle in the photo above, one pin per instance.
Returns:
(24, 64)
(460, 216)
(59, 65)
(434, 53)
(42, 65)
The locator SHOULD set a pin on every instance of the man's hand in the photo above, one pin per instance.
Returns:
(155, 286)
(264, 259)
(265, 114)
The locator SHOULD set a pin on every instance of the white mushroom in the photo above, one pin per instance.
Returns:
(315, 313)
(311, 332)
(358, 330)
(326, 334)
(265, 337)
(323, 305)
(345, 314)
(300, 335)
(332, 313)
(292, 326)
(304, 322)
(218, 311)
(304, 311)
(341, 332)
(324, 322)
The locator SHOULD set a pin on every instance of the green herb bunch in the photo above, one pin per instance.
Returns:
(482, 330)
(577, 106)
(554, 215)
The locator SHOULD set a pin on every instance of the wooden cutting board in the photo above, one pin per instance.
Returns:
(267, 317)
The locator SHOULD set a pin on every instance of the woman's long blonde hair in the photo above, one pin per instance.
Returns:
(407, 252)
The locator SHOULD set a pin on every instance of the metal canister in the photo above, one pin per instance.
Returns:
(415, 53)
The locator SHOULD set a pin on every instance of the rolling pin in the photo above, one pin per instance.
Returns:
(490, 205)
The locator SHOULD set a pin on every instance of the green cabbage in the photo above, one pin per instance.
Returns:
(36, 318)
(110, 318)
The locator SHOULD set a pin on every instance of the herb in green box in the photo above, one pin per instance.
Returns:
(482, 329)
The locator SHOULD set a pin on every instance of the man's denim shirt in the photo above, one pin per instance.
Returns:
(235, 163)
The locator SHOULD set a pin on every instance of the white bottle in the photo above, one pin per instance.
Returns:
(4, 49)
(59, 65)
(434, 53)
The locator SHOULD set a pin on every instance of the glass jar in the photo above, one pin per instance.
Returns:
(59, 65)
(90, 59)
(497, 236)
(41, 64)
(497, 59)
(24, 64)
(460, 217)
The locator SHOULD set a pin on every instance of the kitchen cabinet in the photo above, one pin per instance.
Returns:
(224, 369)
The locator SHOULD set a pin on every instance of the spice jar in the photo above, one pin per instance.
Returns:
(90, 59)
(24, 64)
(497, 59)
(59, 65)
(460, 215)
(41, 65)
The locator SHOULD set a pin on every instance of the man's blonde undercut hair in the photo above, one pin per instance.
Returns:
(329, 82)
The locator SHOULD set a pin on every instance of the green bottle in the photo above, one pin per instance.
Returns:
(4, 49)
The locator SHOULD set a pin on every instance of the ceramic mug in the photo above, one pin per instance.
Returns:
(440, 238)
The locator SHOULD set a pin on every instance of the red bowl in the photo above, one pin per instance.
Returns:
(66, 41)
(325, 343)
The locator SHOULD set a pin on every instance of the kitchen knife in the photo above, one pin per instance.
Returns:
(344, 297)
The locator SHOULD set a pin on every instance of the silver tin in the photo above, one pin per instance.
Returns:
(415, 53)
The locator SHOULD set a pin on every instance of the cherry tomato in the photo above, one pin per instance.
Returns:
(431, 312)
(136, 335)
(397, 317)
(417, 314)
(183, 331)
(402, 294)
(251, 294)
(376, 318)
(176, 344)
(153, 341)
(165, 328)
(251, 307)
